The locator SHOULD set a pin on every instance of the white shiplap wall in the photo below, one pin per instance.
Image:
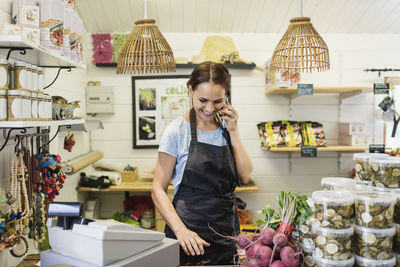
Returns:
(350, 54)
(70, 85)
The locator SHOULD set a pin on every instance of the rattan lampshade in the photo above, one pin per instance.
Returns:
(146, 51)
(301, 48)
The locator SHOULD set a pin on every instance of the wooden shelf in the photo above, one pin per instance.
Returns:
(31, 124)
(37, 54)
(320, 90)
(145, 185)
(328, 148)
(235, 65)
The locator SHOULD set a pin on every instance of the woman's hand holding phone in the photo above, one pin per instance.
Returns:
(229, 115)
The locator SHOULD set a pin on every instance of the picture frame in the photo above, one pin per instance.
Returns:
(156, 101)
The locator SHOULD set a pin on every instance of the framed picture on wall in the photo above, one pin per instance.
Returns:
(157, 100)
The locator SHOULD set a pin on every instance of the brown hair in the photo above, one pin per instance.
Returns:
(211, 72)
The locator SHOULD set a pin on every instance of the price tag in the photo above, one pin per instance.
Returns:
(381, 88)
(305, 89)
(386, 103)
(309, 151)
(377, 148)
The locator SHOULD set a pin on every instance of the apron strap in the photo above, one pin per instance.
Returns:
(193, 130)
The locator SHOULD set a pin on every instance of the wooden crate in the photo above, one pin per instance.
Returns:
(129, 176)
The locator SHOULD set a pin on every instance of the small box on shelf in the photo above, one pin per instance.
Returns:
(129, 176)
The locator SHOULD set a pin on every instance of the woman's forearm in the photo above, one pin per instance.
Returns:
(166, 209)
(244, 166)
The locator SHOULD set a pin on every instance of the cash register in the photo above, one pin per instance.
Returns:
(79, 242)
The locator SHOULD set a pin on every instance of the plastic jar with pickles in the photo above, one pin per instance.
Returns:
(361, 164)
(334, 209)
(364, 262)
(373, 243)
(333, 244)
(320, 262)
(385, 172)
(375, 209)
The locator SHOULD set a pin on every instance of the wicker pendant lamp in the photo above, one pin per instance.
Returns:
(146, 50)
(301, 48)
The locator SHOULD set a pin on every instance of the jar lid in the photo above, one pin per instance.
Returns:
(377, 197)
(34, 94)
(40, 69)
(19, 64)
(332, 263)
(3, 92)
(390, 161)
(367, 156)
(328, 197)
(332, 232)
(28, 66)
(332, 181)
(14, 92)
(376, 263)
(387, 232)
(34, 67)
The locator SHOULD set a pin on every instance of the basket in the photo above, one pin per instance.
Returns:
(129, 176)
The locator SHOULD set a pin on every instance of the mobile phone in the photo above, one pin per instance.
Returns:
(220, 121)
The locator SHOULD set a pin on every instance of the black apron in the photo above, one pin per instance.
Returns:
(206, 197)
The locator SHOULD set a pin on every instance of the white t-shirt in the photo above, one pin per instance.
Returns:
(175, 141)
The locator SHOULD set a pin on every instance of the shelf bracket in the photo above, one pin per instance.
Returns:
(23, 130)
(22, 50)
(58, 73)
(58, 130)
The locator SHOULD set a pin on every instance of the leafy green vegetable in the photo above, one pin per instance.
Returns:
(272, 218)
(118, 216)
(294, 208)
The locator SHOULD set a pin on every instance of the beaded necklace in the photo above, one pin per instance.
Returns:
(19, 176)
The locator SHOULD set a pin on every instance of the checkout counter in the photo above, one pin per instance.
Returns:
(79, 242)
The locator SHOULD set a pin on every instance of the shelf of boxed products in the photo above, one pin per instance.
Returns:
(44, 56)
(144, 184)
(327, 148)
(76, 125)
(319, 90)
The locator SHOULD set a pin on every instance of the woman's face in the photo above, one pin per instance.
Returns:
(208, 99)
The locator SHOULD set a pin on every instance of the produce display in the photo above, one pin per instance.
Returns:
(362, 166)
(374, 244)
(375, 210)
(334, 209)
(385, 172)
(291, 134)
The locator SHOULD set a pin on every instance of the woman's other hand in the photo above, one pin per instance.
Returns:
(191, 243)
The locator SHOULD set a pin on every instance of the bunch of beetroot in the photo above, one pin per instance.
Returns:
(270, 248)
(275, 248)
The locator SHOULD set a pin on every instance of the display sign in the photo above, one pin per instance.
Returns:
(377, 148)
(386, 103)
(305, 89)
(309, 151)
(381, 88)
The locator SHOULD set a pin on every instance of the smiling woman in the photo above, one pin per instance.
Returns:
(206, 163)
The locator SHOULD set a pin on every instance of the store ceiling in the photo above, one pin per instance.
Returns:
(243, 16)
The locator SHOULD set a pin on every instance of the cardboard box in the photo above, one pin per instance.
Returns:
(31, 36)
(129, 176)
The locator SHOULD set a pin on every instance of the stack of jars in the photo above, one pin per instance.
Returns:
(306, 237)
(363, 163)
(333, 228)
(21, 92)
(374, 229)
